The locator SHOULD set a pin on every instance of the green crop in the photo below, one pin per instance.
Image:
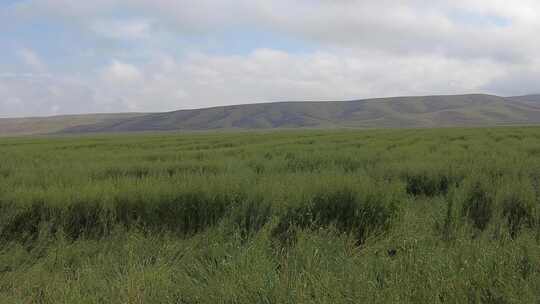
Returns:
(341, 216)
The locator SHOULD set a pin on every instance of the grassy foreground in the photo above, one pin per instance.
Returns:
(384, 216)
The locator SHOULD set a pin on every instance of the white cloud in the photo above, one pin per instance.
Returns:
(121, 29)
(203, 80)
(31, 60)
(270, 75)
(28, 96)
(520, 79)
(461, 28)
(120, 73)
(358, 49)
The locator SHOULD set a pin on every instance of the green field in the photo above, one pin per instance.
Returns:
(374, 216)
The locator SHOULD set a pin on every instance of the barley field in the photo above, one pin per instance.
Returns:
(341, 216)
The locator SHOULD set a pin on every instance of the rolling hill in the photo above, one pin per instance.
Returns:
(53, 124)
(397, 112)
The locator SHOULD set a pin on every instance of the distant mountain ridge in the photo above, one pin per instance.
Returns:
(395, 112)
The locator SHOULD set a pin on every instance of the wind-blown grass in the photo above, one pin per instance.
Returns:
(375, 216)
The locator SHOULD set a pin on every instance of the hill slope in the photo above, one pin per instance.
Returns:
(428, 111)
(45, 125)
(422, 111)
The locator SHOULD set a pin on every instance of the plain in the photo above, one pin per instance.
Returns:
(374, 216)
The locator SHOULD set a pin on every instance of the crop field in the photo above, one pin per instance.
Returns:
(341, 216)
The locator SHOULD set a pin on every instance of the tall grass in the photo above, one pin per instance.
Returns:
(375, 216)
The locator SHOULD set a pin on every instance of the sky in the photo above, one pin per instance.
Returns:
(73, 56)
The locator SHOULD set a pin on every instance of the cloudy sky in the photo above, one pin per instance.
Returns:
(73, 56)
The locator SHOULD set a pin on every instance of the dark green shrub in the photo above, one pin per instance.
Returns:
(185, 213)
(24, 224)
(517, 208)
(192, 212)
(75, 220)
(250, 216)
(129, 212)
(343, 209)
(478, 204)
(27, 222)
(428, 183)
(86, 219)
(288, 224)
(192, 169)
(5, 172)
